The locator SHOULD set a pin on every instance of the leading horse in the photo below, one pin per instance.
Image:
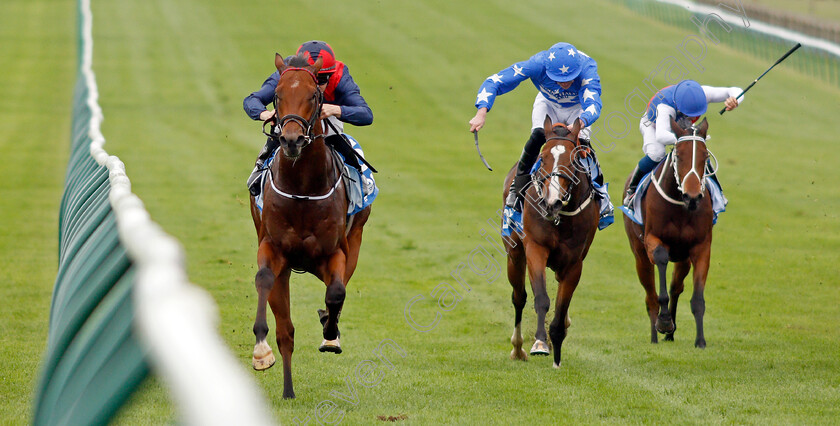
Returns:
(560, 217)
(678, 221)
(304, 224)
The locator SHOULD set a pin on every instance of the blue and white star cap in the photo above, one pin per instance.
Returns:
(562, 63)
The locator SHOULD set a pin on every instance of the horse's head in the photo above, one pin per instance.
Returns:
(558, 173)
(689, 159)
(298, 101)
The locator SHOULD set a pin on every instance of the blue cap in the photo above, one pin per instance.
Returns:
(562, 63)
(690, 98)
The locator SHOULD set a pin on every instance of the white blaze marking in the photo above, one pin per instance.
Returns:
(554, 183)
(295, 84)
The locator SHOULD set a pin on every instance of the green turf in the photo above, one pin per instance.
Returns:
(172, 76)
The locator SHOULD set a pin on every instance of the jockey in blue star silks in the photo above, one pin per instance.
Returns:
(343, 103)
(569, 88)
(684, 102)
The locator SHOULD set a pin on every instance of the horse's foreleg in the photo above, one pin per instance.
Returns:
(700, 257)
(559, 326)
(677, 285)
(658, 254)
(333, 277)
(285, 331)
(536, 258)
(263, 358)
(516, 277)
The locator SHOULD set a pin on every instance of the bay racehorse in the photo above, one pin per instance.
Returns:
(304, 224)
(678, 221)
(560, 217)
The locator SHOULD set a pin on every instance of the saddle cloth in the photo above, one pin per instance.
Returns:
(719, 201)
(360, 188)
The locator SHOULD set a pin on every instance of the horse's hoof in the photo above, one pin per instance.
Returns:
(539, 348)
(669, 337)
(700, 343)
(518, 354)
(556, 365)
(665, 327)
(263, 358)
(333, 346)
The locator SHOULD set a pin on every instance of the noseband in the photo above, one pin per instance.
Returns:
(308, 126)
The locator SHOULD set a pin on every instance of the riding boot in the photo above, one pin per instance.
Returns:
(523, 168)
(253, 181)
(645, 166)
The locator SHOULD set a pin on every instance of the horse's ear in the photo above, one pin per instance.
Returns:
(316, 66)
(576, 128)
(679, 131)
(547, 127)
(279, 62)
(703, 127)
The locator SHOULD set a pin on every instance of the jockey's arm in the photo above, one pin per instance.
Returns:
(727, 95)
(254, 104)
(664, 134)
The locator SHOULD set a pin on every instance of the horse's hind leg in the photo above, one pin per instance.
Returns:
(537, 257)
(559, 326)
(263, 358)
(644, 269)
(285, 331)
(354, 243)
(658, 253)
(677, 285)
(700, 257)
(516, 277)
(333, 277)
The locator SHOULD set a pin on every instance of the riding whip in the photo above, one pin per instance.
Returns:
(798, 45)
(475, 133)
(344, 138)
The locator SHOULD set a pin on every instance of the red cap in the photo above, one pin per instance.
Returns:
(314, 49)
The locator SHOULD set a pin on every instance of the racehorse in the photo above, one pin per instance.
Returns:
(559, 219)
(678, 221)
(304, 224)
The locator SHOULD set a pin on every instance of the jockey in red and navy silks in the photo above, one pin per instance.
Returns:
(684, 101)
(343, 103)
(569, 88)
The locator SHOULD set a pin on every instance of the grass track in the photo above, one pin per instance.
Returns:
(172, 76)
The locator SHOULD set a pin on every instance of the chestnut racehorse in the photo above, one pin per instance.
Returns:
(678, 221)
(304, 225)
(560, 217)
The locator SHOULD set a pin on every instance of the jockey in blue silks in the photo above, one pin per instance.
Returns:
(684, 102)
(569, 89)
(343, 103)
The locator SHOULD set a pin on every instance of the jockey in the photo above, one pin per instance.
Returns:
(343, 103)
(569, 88)
(684, 102)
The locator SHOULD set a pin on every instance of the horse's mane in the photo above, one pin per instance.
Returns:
(296, 61)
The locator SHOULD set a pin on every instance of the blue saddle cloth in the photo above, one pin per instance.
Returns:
(361, 188)
(512, 218)
(719, 201)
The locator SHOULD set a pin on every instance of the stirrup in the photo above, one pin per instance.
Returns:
(628, 198)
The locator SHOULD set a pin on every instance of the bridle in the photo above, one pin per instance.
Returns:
(538, 182)
(672, 160)
(308, 126)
